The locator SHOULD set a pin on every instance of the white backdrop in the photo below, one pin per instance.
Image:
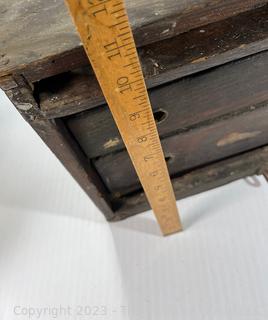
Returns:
(59, 258)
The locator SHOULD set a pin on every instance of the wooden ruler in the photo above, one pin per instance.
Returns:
(105, 31)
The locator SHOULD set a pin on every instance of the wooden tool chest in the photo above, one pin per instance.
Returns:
(206, 68)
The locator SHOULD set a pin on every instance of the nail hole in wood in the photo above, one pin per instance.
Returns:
(160, 116)
(169, 158)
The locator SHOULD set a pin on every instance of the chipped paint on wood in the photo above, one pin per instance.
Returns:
(235, 137)
(111, 143)
(24, 106)
(202, 59)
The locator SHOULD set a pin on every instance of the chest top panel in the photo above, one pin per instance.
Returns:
(34, 30)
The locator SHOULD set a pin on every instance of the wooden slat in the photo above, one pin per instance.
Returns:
(35, 31)
(186, 102)
(200, 180)
(188, 53)
(196, 147)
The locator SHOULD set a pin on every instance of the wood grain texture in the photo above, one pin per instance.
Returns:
(193, 148)
(188, 53)
(35, 31)
(202, 179)
(186, 103)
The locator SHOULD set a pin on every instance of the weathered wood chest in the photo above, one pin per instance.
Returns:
(206, 67)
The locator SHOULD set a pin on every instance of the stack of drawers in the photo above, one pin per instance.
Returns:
(206, 68)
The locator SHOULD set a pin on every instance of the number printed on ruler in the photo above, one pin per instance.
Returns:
(107, 37)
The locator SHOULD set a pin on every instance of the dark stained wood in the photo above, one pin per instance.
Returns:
(58, 139)
(211, 116)
(181, 104)
(57, 64)
(211, 45)
(202, 179)
(188, 53)
(197, 146)
(36, 31)
(195, 14)
(206, 47)
(199, 180)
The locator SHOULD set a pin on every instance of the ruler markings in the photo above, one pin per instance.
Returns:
(117, 4)
(118, 70)
(118, 24)
(122, 16)
(124, 28)
(141, 96)
(132, 48)
(137, 71)
(125, 34)
(119, 10)
(128, 38)
(131, 64)
(100, 3)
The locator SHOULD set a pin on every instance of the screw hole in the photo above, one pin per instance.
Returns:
(160, 116)
(169, 158)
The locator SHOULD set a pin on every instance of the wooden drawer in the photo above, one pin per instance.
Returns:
(181, 104)
(193, 148)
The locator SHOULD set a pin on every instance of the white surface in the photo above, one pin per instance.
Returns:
(58, 254)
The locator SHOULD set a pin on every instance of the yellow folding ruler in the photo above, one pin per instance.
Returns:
(105, 31)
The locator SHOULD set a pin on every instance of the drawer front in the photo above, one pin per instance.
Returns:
(191, 149)
(181, 104)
